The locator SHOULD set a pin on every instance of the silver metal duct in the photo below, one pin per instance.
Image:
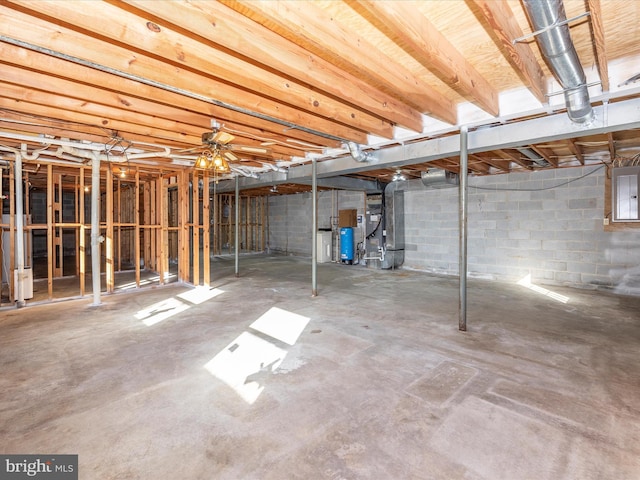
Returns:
(394, 225)
(438, 178)
(556, 46)
(357, 153)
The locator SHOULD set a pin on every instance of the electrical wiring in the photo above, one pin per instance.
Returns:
(493, 189)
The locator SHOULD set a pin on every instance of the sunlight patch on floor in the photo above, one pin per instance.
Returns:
(160, 311)
(245, 364)
(281, 324)
(248, 361)
(526, 282)
(200, 294)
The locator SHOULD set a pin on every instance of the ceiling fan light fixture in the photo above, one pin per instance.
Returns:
(204, 160)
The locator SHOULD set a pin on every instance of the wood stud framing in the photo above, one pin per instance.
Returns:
(135, 223)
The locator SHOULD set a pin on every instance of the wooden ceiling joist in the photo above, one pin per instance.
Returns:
(223, 26)
(294, 77)
(575, 150)
(113, 56)
(428, 46)
(305, 24)
(504, 28)
(597, 29)
(127, 94)
(129, 30)
(515, 158)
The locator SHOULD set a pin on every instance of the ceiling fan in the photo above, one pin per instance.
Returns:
(222, 142)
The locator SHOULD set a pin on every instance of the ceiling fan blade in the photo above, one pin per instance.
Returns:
(217, 137)
(230, 156)
(223, 138)
(251, 149)
(189, 150)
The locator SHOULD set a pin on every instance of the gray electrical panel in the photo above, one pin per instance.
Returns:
(625, 183)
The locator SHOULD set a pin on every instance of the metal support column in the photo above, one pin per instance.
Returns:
(19, 202)
(314, 228)
(95, 228)
(237, 225)
(464, 161)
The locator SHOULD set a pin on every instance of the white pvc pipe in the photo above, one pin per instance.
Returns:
(19, 231)
(95, 228)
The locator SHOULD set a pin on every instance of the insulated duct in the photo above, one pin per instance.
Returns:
(439, 178)
(555, 43)
(393, 225)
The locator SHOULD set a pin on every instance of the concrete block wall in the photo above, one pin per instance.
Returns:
(290, 218)
(546, 224)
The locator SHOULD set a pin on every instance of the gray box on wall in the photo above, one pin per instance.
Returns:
(625, 183)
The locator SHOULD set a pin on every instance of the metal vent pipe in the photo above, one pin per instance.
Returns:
(560, 53)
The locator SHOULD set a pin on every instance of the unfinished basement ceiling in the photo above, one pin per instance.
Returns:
(293, 81)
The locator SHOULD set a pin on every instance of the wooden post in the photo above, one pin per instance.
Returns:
(50, 231)
(206, 232)
(109, 252)
(162, 243)
(76, 219)
(183, 198)
(118, 229)
(195, 220)
(57, 218)
(12, 234)
(27, 208)
(81, 251)
(136, 234)
(263, 216)
(246, 243)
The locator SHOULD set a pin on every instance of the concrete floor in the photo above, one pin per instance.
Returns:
(370, 380)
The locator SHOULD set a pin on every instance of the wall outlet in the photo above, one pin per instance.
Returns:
(605, 221)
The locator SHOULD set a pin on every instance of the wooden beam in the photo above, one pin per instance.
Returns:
(136, 235)
(65, 129)
(33, 30)
(118, 228)
(81, 260)
(420, 38)
(543, 153)
(12, 234)
(195, 222)
(183, 237)
(308, 26)
(244, 37)
(125, 90)
(162, 239)
(50, 231)
(597, 29)
(514, 158)
(478, 165)
(575, 149)
(58, 257)
(500, 164)
(612, 146)
(504, 28)
(206, 230)
(52, 106)
(124, 28)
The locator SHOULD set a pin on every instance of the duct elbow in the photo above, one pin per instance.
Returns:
(579, 106)
(357, 154)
